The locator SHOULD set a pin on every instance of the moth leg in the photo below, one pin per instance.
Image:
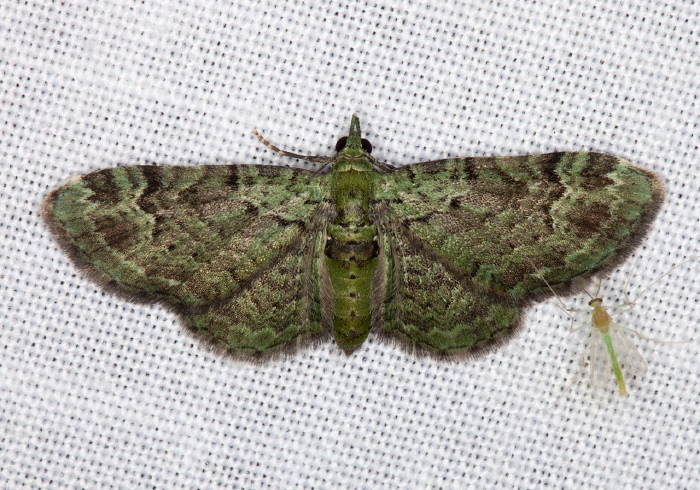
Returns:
(574, 310)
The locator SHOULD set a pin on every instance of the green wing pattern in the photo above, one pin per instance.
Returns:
(204, 239)
(461, 246)
(491, 228)
(282, 308)
(429, 307)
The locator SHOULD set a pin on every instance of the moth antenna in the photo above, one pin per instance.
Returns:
(284, 153)
(318, 170)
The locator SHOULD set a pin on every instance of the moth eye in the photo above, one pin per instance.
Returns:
(366, 145)
(341, 143)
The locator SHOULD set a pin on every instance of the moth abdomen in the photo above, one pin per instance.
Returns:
(351, 281)
(351, 258)
(352, 251)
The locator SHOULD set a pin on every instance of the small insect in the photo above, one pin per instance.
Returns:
(608, 340)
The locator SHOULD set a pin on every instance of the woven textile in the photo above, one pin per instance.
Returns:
(98, 392)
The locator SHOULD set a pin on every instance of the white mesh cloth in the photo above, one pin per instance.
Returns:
(97, 392)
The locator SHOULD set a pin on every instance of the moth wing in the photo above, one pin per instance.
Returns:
(422, 303)
(506, 222)
(283, 308)
(196, 237)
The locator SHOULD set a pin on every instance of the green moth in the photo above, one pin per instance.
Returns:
(441, 256)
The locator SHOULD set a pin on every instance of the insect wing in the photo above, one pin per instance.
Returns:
(226, 246)
(506, 222)
(631, 362)
(600, 363)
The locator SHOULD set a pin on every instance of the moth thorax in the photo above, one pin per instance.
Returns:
(600, 316)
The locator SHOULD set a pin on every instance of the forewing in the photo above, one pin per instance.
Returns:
(427, 306)
(505, 221)
(204, 239)
(191, 235)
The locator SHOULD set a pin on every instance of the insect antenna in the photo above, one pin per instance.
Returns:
(325, 160)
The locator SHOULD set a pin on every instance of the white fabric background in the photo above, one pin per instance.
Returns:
(97, 392)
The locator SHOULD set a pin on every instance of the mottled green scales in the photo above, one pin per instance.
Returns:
(439, 256)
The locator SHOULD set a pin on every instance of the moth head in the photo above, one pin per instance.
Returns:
(354, 143)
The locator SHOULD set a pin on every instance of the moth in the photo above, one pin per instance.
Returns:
(609, 351)
(441, 257)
